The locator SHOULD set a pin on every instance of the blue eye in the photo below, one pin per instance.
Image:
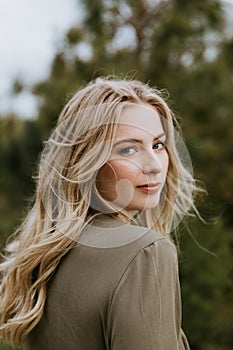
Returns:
(127, 150)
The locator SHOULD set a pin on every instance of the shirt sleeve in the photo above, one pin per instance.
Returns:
(145, 312)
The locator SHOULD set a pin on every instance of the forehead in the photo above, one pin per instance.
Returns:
(139, 119)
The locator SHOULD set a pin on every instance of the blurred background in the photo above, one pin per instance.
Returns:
(49, 49)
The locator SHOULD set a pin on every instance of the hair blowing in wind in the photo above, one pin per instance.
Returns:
(78, 147)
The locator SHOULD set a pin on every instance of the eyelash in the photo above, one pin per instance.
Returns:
(122, 151)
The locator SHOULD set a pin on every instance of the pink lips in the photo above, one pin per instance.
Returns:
(149, 188)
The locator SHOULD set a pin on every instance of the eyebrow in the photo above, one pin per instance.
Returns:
(137, 140)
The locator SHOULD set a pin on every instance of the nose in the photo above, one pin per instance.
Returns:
(151, 163)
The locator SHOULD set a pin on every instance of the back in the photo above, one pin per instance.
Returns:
(86, 292)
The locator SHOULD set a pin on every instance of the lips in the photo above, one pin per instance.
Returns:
(150, 187)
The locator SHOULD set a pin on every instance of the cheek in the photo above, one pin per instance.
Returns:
(124, 170)
(105, 176)
(110, 175)
(113, 171)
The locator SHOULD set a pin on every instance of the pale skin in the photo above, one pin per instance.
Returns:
(135, 174)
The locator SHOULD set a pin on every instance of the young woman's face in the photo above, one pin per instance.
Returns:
(135, 174)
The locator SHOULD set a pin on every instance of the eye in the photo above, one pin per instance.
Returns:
(159, 146)
(127, 150)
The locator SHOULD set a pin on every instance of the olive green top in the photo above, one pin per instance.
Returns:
(118, 289)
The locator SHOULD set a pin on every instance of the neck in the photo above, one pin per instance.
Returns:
(127, 217)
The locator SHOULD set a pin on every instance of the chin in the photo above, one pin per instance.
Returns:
(147, 205)
(150, 206)
(140, 204)
(150, 203)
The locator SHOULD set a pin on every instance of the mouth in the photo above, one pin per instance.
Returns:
(149, 188)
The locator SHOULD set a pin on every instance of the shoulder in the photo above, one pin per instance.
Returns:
(152, 272)
(159, 255)
(114, 253)
(123, 242)
(112, 233)
(125, 246)
(155, 251)
(161, 248)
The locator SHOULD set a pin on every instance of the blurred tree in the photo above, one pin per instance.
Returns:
(17, 87)
(206, 279)
(20, 143)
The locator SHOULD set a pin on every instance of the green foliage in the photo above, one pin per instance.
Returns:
(73, 36)
(17, 87)
(20, 145)
(179, 45)
(206, 284)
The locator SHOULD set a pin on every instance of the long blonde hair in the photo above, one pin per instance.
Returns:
(72, 156)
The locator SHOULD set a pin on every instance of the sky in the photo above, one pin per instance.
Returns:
(30, 31)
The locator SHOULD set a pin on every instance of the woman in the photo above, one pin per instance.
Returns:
(93, 265)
